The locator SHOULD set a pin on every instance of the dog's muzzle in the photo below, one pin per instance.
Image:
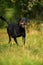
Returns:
(22, 25)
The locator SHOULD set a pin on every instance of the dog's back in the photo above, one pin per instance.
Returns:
(15, 30)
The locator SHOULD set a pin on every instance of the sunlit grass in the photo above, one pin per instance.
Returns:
(31, 54)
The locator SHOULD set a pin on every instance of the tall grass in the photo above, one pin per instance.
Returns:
(30, 54)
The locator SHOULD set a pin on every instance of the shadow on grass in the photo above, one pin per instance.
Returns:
(4, 47)
(8, 46)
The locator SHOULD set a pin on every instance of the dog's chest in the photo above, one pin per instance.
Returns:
(18, 31)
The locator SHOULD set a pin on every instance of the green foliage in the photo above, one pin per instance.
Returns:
(29, 8)
(12, 9)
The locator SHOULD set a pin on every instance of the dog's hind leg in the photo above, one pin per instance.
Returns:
(9, 38)
(16, 41)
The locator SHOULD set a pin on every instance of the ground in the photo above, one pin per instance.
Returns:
(30, 54)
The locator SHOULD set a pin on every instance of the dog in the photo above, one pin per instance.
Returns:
(15, 30)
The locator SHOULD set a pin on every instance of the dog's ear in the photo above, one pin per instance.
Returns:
(19, 19)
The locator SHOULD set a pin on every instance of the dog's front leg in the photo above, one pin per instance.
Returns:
(15, 40)
(23, 38)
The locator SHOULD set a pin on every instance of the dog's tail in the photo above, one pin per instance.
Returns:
(2, 18)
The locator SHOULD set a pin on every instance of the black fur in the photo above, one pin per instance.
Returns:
(15, 30)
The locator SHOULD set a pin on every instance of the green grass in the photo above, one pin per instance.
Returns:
(31, 54)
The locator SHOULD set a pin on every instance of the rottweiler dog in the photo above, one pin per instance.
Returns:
(15, 30)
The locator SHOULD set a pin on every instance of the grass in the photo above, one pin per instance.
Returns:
(31, 54)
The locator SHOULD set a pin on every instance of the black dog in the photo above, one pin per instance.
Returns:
(16, 30)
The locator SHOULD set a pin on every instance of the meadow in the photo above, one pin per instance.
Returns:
(30, 54)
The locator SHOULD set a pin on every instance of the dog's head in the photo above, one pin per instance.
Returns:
(22, 22)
